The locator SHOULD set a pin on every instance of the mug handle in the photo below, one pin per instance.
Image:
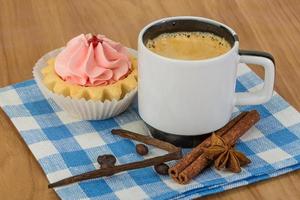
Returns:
(263, 95)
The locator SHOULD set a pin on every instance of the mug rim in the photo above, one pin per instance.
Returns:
(202, 19)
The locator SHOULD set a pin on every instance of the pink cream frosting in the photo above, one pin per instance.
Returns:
(90, 60)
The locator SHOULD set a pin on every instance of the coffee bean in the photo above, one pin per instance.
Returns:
(141, 149)
(106, 160)
(162, 169)
(106, 165)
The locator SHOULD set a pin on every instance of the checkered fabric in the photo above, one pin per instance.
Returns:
(66, 146)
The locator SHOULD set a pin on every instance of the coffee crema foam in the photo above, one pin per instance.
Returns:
(188, 45)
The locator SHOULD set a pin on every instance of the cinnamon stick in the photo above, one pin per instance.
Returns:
(174, 154)
(230, 137)
(193, 169)
(197, 151)
(241, 127)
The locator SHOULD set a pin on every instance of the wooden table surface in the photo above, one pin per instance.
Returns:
(29, 29)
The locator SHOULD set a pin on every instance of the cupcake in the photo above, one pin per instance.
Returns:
(93, 77)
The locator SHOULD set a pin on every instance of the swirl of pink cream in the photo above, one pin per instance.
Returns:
(90, 60)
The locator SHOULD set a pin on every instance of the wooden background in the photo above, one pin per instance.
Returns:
(28, 29)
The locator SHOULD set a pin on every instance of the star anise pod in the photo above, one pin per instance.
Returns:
(224, 155)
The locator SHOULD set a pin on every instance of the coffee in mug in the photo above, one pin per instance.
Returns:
(187, 83)
(189, 45)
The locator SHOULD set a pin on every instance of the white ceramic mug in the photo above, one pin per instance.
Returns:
(194, 97)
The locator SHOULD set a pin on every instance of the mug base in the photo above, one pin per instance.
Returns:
(178, 140)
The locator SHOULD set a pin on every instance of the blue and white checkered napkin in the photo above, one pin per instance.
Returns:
(65, 146)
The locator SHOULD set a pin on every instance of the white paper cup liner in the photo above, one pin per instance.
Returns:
(81, 108)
